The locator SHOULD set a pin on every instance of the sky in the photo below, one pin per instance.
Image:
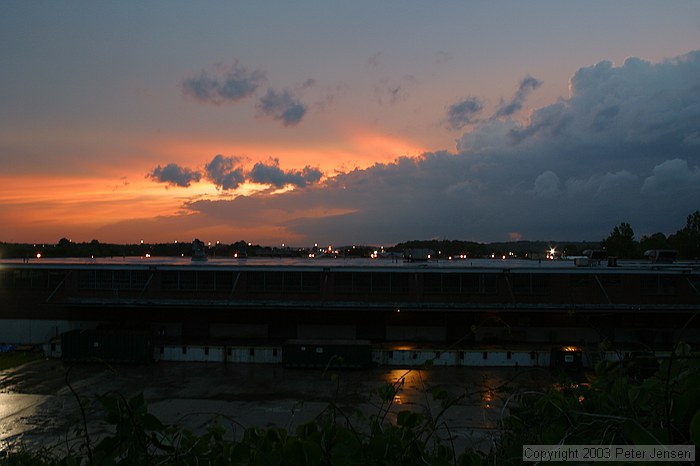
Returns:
(338, 123)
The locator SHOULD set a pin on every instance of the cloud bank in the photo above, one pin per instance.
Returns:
(273, 175)
(174, 175)
(623, 146)
(235, 84)
(228, 173)
(282, 106)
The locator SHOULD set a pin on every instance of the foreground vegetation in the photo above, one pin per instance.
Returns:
(621, 405)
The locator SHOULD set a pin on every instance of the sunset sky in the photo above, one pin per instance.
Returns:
(364, 122)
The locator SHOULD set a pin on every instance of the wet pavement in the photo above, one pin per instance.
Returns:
(37, 406)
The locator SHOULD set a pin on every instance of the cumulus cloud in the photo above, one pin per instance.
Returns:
(235, 83)
(174, 175)
(225, 172)
(464, 113)
(527, 85)
(282, 106)
(273, 175)
(547, 184)
(620, 147)
(672, 175)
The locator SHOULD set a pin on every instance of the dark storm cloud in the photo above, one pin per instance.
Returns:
(235, 83)
(464, 113)
(273, 175)
(174, 175)
(625, 146)
(282, 106)
(527, 85)
(225, 172)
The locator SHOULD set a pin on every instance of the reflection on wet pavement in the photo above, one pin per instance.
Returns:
(37, 407)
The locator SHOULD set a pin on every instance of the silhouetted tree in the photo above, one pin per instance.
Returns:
(655, 241)
(687, 239)
(621, 242)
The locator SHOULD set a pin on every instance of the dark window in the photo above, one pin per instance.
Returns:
(251, 351)
(103, 280)
(206, 351)
(658, 285)
(489, 283)
(432, 283)
(471, 283)
(206, 281)
(530, 283)
(255, 281)
(274, 281)
(362, 282)
(86, 280)
(342, 282)
(224, 281)
(187, 281)
(169, 280)
(399, 283)
(293, 281)
(381, 282)
(451, 283)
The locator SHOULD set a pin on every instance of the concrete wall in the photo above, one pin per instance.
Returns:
(218, 354)
(451, 357)
(37, 332)
(326, 332)
(415, 333)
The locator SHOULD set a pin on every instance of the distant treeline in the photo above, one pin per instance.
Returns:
(443, 249)
(620, 243)
(522, 249)
(67, 248)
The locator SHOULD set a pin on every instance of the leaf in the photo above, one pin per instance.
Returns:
(695, 428)
(640, 435)
(387, 392)
(408, 419)
(440, 394)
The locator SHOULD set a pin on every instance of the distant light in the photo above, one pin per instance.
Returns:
(148, 255)
(235, 255)
(38, 255)
(428, 256)
(141, 241)
(570, 349)
(250, 244)
(398, 310)
(182, 255)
